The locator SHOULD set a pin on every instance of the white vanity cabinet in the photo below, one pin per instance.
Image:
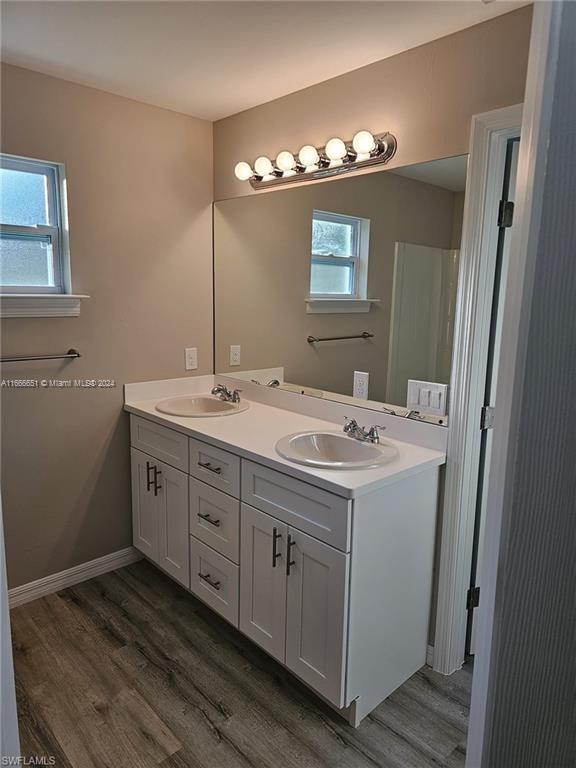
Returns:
(293, 600)
(337, 589)
(160, 514)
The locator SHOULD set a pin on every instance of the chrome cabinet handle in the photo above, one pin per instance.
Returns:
(156, 486)
(206, 577)
(275, 553)
(210, 468)
(149, 480)
(209, 519)
(289, 562)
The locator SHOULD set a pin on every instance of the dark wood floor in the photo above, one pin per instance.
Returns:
(129, 671)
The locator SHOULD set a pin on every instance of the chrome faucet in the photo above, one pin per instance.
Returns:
(224, 393)
(353, 429)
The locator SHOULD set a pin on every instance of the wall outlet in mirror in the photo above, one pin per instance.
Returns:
(361, 379)
(235, 354)
(427, 397)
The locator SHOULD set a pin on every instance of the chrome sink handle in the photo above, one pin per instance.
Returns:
(373, 434)
(353, 429)
(222, 391)
(236, 395)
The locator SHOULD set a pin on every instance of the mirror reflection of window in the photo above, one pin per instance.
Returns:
(339, 246)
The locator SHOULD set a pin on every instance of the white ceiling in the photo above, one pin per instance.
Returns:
(213, 59)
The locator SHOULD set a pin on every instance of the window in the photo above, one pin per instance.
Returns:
(339, 256)
(33, 238)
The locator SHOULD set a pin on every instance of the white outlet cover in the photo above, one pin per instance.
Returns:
(361, 383)
(235, 354)
(191, 358)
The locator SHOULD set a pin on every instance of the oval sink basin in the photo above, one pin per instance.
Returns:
(333, 450)
(199, 406)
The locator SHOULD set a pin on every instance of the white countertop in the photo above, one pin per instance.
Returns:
(253, 434)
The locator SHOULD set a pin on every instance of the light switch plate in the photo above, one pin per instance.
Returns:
(235, 354)
(427, 397)
(361, 380)
(191, 358)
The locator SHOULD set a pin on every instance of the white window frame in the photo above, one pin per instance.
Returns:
(358, 258)
(57, 230)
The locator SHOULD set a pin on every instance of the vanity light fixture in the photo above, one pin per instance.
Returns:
(310, 163)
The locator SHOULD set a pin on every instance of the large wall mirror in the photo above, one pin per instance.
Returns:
(374, 257)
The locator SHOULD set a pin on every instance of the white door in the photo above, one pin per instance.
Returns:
(263, 580)
(501, 279)
(171, 488)
(144, 506)
(317, 611)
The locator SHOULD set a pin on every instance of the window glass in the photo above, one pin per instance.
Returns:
(26, 260)
(333, 238)
(23, 198)
(332, 278)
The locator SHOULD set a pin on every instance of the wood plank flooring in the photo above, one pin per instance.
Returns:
(128, 670)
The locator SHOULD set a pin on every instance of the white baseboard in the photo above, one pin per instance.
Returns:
(49, 584)
(430, 655)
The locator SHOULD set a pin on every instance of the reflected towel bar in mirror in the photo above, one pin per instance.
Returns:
(363, 335)
(71, 354)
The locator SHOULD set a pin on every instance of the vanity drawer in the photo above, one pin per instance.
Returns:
(158, 441)
(214, 579)
(215, 518)
(319, 513)
(215, 467)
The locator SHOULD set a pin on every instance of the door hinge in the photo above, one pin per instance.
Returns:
(487, 417)
(505, 213)
(473, 598)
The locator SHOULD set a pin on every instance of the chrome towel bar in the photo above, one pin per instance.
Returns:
(72, 353)
(363, 335)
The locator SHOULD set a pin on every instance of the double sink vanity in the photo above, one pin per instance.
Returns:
(315, 542)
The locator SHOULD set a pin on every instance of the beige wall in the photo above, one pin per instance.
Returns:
(425, 97)
(262, 275)
(140, 190)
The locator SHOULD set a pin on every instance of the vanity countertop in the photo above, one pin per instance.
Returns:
(253, 434)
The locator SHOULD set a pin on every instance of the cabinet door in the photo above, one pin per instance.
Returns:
(263, 580)
(144, 506)
(317, 614)
(172, 506)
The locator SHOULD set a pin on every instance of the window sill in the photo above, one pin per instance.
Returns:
(338, 306)
(40, 304)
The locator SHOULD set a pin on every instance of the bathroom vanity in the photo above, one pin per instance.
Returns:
(329, 571)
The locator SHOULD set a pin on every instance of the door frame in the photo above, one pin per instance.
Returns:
(490, 132)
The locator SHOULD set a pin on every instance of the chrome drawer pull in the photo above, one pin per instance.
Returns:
(210, 468)
(206, 577)
(209, 519)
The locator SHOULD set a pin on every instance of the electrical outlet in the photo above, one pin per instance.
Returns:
(235, 354)
(191, 358)
(361, 384)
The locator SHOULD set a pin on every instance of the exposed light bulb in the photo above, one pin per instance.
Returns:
(335, 149)
(243, 171)
(308, 156)
(263, 166)
(285, 161)
(363, 143)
